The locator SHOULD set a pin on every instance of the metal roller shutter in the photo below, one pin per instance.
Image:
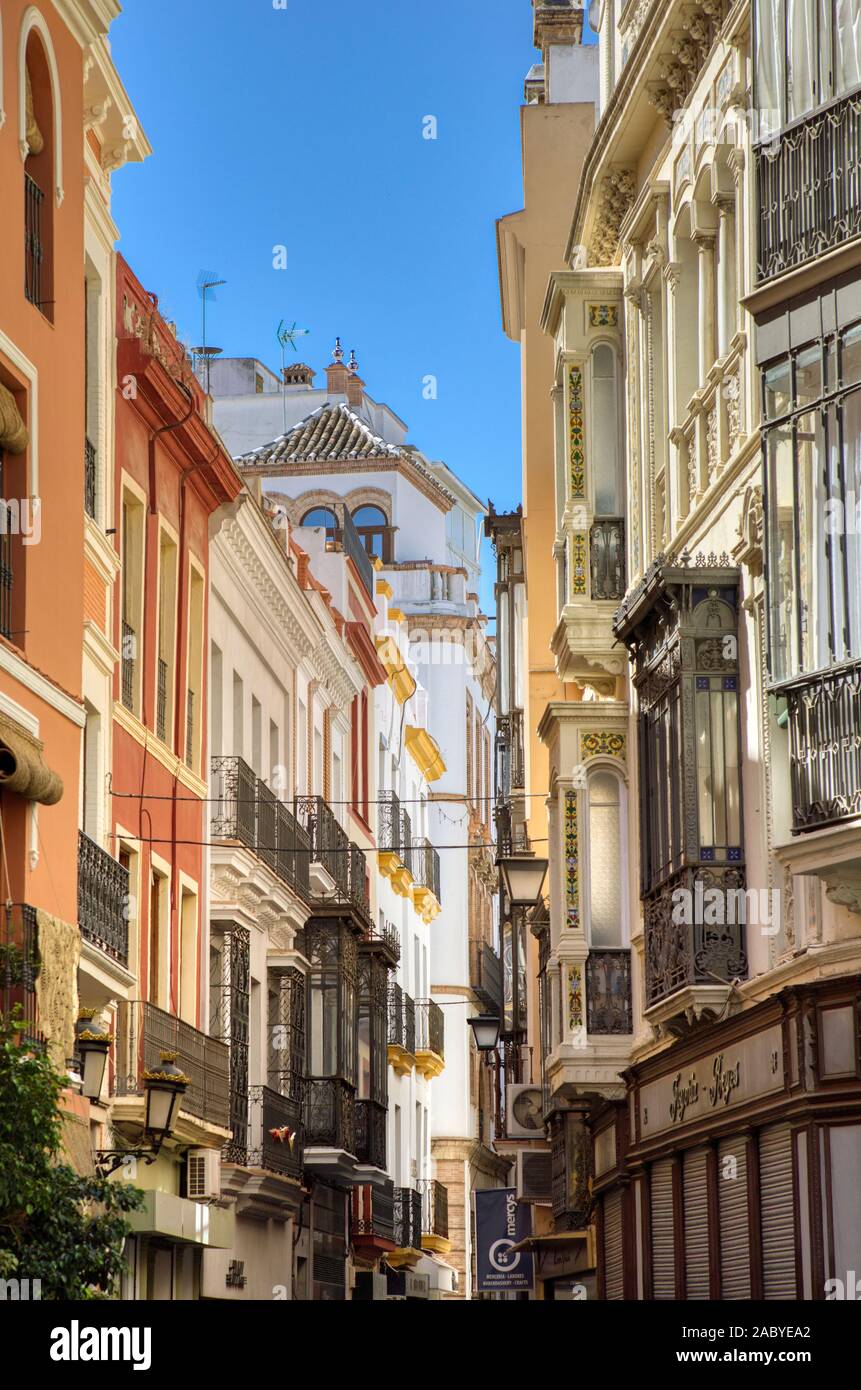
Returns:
(663, 1235)
(614, 1286)
(734, 1224)
(778, 1213)
(696, 1207)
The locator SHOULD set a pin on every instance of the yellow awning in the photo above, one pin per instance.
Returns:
(424, 750)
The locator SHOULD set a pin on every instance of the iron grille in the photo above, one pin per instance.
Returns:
(34, 252)
(330, 1114)
(161, 703)
(374, 1211)
(329, 844)
(485, 975)
(234, 790)
(607, 558)
(371, 1133)
(145, 1031)
(608, 992)
(90, 478)
(359, 880)
(434, 1198)
(825, 748)
(408, 1218)
(103, 896)
(677, 954)
(430, 1027)
(19, 964)
(266, 838)
(396, 1015)
(425, 867)
(406, 850)
(389, 822)
(189, 729)
(128, 665)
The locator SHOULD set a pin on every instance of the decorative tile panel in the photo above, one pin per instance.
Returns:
(572, 862)
(575, 999)
(603, 315)
(579, 561)
(603, 741)
(576, 440)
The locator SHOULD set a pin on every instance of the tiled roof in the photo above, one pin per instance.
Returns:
(332, 432)
(335, 434)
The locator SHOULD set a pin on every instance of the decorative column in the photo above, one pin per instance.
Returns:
(726, 290)
(705, 245)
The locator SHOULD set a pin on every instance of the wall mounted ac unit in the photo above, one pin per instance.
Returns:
(534, 1182)
(524, 1112)
(203, 1175)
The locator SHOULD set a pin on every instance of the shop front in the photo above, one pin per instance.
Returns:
(731, 1170)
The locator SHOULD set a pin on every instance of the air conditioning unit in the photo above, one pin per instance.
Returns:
(534, 1182)
(203, 1175)
(524, 1106)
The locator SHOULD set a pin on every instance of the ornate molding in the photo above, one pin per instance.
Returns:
(616, 196)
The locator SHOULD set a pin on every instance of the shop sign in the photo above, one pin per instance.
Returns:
(720, 1081)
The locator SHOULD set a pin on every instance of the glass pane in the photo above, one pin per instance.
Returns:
(835, 528)
(808, 377)
(324, 1027)
(364, 1091)
(733, 789)
(847, 45)
(802, 53)
(851, 369)
(769, 46)
(605, 873)
(813, 571)
(718, 766)
(605, 431)
(778, 390)
(851, 411)
(704, 765)
(370, 516)
(781, 549)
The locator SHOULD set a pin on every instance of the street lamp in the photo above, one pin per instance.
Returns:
(485, 1030)
(164, 1088)
(522, 878)
(94, 1041)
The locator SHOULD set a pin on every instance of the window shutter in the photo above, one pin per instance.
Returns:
(778, 1213)
(614, 1285)
(663, 1234)
(696, 1205)
(734, 1227)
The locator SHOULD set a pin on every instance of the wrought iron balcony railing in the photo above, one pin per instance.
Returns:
(273, 1137)
(434, 1208)
(374, 1212)
(425, 867)
(103, 898)
(809, 188)
(143, 1032)
(293, 855)
(430, 1027)
(33, 246)
(234, 791)
(371, 1133)
(608, 992)
(245, 809)
(485, 974)
(825, 747)
(389, 822)
(402, 1019)
(358, 880)
(329, 844)
(387, 935)
(678, 955)
(89, 478)
(128, 665)
(607, 557)
(161, 702)
(19, 964)
(406, 850)
(408, 1218)
(330, 1114)
(189, 728)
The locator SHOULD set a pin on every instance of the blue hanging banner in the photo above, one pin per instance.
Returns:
(501, 1222)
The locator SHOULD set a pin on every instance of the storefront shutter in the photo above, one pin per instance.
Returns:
(734, 1227)
(696, 1204)
(613, 1266)
(663, 1235)
(778, 1213)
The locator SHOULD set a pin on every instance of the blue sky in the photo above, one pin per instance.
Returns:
(303, 126)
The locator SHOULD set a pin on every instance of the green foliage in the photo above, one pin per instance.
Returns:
(55, 1226)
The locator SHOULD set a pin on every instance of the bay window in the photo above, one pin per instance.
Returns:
(807, 53)
(605, 853)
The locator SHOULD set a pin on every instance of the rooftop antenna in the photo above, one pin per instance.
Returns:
(287, 336)
(208, 282)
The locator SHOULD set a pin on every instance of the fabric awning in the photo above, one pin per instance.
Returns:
(14, 435)
(23, 769)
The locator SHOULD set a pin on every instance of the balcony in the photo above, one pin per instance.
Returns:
(825, 748)
(330, 847)
(19, 965)
(402, 1030)
(372, 1228)
(389, 827)
(408, 1228)
(273, 1139)
(485, 976)
(809, 188)
(427, 896)
(90, 478)
(690, 966)
(33, 246)
(607, 558)
(430, 1038)
(609, 1009)
(330, 1121)
(434, 1199)
(143, 1033)
(387, 940)
(103, 897)
(371, 1133)
(510, 761)
(245, 810)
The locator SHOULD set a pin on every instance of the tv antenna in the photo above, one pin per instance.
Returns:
(208, 281)
(287, 336)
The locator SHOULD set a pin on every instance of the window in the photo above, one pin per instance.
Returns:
(257, 736)
(132, 601)
(166, 638)
(325, 517)
(605, 849)
(373, 526)
(188, 957)
(605, 431)
(93, 384)
(238, 716)
(192, 743)
(216, 698)
(807, 52)
(812, 456)
(39, 179)
(332, 991)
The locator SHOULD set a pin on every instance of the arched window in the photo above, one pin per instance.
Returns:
(606, 851)
(38, 123)
(322, 516)
(372, 525)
